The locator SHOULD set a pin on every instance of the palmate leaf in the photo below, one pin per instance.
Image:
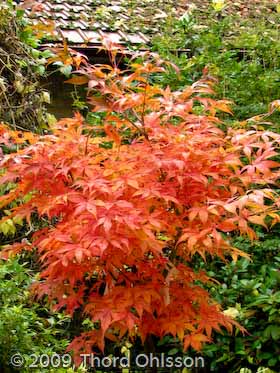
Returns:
(186, 182)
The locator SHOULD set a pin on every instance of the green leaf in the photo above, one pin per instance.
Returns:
(173, 351)
(273, 361)
(41, 70)
(275, 332)
(18, 220)
(66, 70)
(239, 347)
(218, 5)
(7, 227)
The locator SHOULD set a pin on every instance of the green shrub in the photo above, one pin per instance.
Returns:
(250, 292)
(243, 54)
(27, 327)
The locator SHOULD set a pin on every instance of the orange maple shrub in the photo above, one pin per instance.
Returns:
(126, 221)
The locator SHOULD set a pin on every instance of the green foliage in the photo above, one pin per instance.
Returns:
(250, 292)
(27, 327)
(242, 53)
